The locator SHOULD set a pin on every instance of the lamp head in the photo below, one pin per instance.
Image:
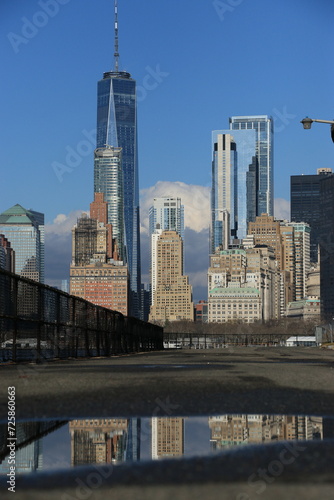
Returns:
(307, 122)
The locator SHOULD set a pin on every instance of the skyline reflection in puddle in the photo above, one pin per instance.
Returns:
(52, 445)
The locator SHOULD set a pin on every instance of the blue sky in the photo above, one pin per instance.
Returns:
(211, 60)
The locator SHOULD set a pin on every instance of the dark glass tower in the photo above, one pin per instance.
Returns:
(326, 243)
(305, 204)
(117, 127)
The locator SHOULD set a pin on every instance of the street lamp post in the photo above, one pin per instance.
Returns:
(307, 123)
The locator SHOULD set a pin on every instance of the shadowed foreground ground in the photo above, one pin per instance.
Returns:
(184, 382)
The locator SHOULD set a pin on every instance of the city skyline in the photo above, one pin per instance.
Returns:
(171, 152)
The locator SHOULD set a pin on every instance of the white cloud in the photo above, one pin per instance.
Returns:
(63, 224)
(196, 201)
(58, 246)
(282, 209)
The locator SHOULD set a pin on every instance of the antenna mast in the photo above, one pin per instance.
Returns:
(116, 54)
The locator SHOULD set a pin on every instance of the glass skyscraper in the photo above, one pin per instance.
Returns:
(242, 177)
(24, 229)
(117, 127)
(233, 185)
(224, 203)
(168, 212)
(108, 179)
(305, 196)
(264, 127)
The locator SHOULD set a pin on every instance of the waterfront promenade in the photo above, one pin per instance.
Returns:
(182, 383)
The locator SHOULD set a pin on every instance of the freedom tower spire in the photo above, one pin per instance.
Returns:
(117, 127)
(116, 53)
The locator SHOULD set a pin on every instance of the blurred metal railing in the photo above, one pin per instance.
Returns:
(40, 322)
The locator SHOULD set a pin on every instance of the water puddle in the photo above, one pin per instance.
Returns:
(53, 444)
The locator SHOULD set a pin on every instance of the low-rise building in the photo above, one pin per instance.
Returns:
(306, 309)
(235, 302)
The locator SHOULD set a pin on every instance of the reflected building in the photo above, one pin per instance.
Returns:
(234, 430)
(100, 441)
(27, 459)
(167, 437)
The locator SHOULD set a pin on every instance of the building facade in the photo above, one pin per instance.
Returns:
(243, 285)
(7, 255)
(306, 309)
(167, 437)
(305, 204)
(102, 284)
(173, 293)
(95, 275)
(291, 244)
(235, 302)
(24, 229)
(201, 311)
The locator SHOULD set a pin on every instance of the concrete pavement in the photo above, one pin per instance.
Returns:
(179, 382)
(182, 382)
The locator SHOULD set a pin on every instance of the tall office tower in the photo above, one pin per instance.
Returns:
(166, 214)
(264, 127)
(94, 274)
(25, 231)
(305, 204)
(173, 293)
(108, 182)
(7, 255)
(167, 437)
(154, 263)
(326, 242)
(117, 127)
(224, 191)
(301, 240)
(234, 185)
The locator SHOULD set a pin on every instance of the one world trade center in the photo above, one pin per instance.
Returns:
(117, 127)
